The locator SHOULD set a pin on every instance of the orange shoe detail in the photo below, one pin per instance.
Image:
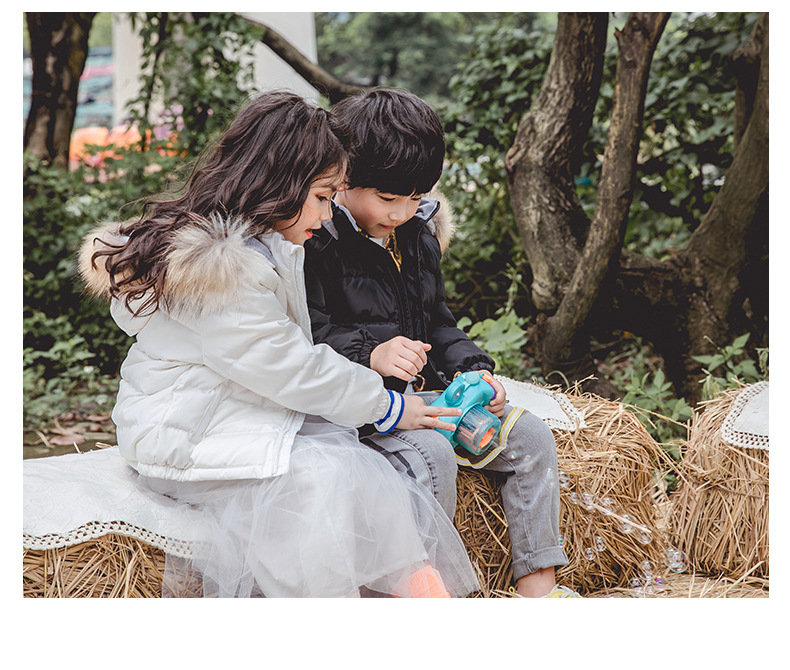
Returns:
(426, 583)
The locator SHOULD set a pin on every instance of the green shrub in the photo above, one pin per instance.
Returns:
(666, 414)
(491, 91)
(734, 367)
(504, 339)
(72, 347)
(70, 343)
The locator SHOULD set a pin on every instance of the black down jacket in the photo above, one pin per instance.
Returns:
(358, 299)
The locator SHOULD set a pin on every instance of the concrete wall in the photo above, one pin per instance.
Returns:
(270, 70)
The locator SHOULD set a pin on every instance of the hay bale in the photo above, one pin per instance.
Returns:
(480, 521)
(719, 514)
(110, 566)
(607, 512)
(608, 533)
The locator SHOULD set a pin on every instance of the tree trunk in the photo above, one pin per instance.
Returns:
(541, 163)
(697, 295)
(59, 49)
(567, 276)
(565, 342)
(712, 263)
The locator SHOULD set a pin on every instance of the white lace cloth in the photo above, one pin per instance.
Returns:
(552, 407)
(78, 497)
(746, 425)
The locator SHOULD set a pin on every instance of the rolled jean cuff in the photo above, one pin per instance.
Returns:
(549, 557)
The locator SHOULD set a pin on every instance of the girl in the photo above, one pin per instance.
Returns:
(225, 404)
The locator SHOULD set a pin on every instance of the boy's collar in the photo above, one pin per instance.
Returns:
(425, 212)
(349, 216)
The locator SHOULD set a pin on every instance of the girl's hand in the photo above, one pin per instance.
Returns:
(497, 405)
(416, 414)
(399, 357)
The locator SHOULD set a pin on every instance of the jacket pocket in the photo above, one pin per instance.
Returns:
(197, 434)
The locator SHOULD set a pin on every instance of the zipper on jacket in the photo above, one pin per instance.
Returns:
(392, 269)
(200, 429)
(421, 306)
(403, 302)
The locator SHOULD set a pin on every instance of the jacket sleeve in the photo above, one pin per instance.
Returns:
(350, 340)
(254, 343)
(452, 351)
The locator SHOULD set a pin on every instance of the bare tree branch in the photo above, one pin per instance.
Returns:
(313, 74)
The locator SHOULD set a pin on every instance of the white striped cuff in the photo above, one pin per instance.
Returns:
(393, 415)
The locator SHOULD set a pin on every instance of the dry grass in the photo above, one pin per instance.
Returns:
(719, 514)
(609, 533)
(111, 566)
(115, 566)
(607, 511)
(692, 585)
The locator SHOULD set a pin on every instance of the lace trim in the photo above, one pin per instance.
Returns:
(94, 529)
(575, 419)
(739, 438)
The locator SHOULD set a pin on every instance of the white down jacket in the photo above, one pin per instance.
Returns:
(220, 377)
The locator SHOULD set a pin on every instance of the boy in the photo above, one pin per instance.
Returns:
(376, 295)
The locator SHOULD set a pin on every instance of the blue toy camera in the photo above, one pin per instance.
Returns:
(476, 428)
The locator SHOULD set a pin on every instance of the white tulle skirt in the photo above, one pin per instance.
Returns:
(342, 522)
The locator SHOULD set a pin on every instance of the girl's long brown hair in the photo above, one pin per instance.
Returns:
(260, 169)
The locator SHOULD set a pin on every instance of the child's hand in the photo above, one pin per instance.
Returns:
(497, 405)
(416, 414)
(399, 357)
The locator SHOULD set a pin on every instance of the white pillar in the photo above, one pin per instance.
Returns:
(126, 53)
(270, 70)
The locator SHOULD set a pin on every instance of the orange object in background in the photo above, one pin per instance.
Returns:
(124, 136)
(120, 136)
(81, 138)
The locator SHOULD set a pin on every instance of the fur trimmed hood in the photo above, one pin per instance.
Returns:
(444, 220)
(219, 379)
(206, 263)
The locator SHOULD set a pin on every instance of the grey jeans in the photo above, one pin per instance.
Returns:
(530, 492)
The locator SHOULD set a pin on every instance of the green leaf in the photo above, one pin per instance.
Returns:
(740, 342)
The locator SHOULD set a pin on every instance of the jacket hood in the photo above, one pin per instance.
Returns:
(443, 220)
(206, 262)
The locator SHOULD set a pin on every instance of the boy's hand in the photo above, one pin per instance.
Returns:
(497, 405)
(416, 414)
(399, 357)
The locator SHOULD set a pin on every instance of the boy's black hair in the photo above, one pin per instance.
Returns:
(398, 141)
